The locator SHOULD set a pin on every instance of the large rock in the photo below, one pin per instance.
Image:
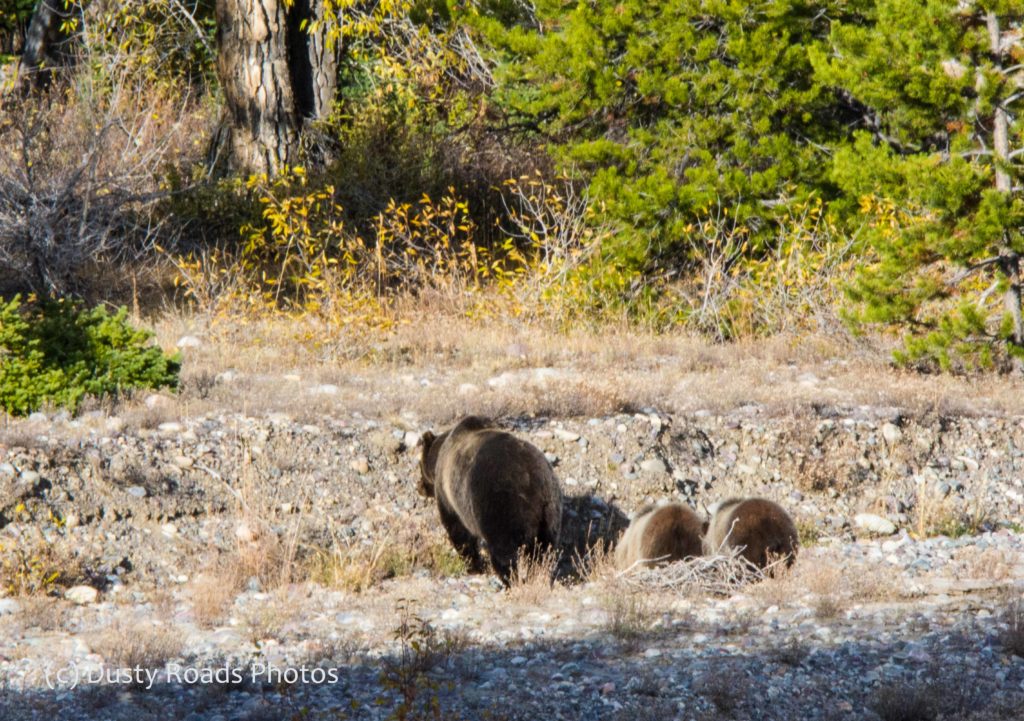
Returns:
(653, 465)
(874, 524)
(82, 595)
(891, 433)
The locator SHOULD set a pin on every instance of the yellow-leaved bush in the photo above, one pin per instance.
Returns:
(794, 287)
(301, 258)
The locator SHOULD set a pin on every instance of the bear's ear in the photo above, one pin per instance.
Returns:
(427, 440)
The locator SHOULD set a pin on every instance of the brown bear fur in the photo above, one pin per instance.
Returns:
(760, 528)
(492, 487)
(660, 535)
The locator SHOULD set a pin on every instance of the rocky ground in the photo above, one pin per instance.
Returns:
(274, 565)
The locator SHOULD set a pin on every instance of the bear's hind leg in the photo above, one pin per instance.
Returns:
(467, 546)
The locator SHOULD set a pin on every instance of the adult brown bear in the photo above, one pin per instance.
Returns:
(492, 487)
(660, 535)
(760, 528)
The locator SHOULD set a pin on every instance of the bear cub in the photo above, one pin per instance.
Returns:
(660, 534)
(760, 528)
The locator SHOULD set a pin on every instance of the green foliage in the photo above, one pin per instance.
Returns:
(57, 352)
(15, 13)
(672, 110)
(921, 177)
(405, 676)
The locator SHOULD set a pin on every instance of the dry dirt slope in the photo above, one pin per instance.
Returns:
(269, 521)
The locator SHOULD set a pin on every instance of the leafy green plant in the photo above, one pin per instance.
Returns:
(668, 112)
(934, 176)
(33, 562)
(56, 351)
(421, 649)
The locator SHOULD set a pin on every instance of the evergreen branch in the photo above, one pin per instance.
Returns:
(966, 272)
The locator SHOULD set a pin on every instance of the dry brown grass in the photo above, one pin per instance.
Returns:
(829, 584)
(991, 564)
(212, 593)
(355, 566)
(725, 687)
(903, 701)
(1012, 637)
(269, 618)
(32, 564)
(597, 565)
(127, 645)
(631, 615)
(43, 612)
(613, 368)
(533, 577)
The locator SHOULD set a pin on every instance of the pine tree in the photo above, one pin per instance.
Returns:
(935, 170)
(671, 110)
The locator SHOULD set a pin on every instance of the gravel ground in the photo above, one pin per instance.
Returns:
(899, 606)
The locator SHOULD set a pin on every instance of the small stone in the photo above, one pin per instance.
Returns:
(182, 461)
(169, 530)
(875, 524)
(517, 350)
(245, 533)
(517, 660)
(293, 377)
(325, 389)
(9, 606)
(155, 400)
(360, 465)
(228, 376)
(6, 469)
(411, 439)
(653, 465)
(567, 436)
(137, 491)
(169, 427)
(890, 546)
(29, 477)
(969, 462)
(189, 341)
(82, 595)
(37, 417)
(891, 433)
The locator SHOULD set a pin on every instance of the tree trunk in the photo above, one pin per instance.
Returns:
(42, 52)
(1010, 261)
(262, 127)
(314, 65)
(275, 75)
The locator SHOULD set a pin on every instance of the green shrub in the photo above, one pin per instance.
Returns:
(58, 352)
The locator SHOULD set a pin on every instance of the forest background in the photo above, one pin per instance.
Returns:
(734, 169)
